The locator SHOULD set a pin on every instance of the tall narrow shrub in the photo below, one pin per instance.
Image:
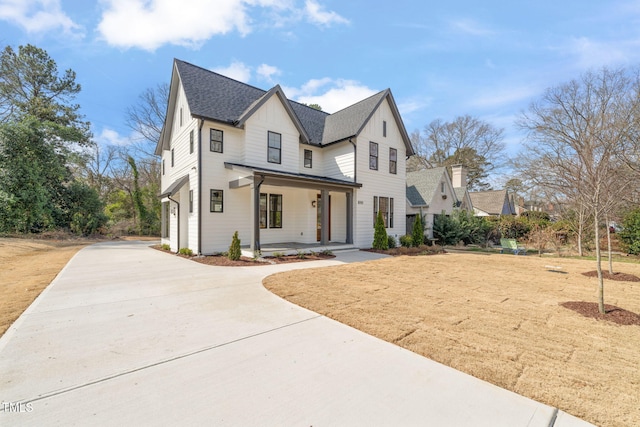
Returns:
(380, 240)
(417, 234)
(234, 249)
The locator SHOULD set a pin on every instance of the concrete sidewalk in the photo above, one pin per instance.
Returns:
(126, 335)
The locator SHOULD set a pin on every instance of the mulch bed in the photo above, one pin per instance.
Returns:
(622, 277)
(223, 261)
(613, 314)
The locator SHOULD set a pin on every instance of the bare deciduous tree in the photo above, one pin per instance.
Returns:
(466, 140)
(577, 133)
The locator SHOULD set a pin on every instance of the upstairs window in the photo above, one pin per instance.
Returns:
(307, 158)
(172, 158)
(191, 142)
(373, 156)
(393, 161)
(274, 154)
(216, 140)
(190, 201)
(162, 166)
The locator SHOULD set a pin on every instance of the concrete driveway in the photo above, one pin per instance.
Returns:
(127, 335)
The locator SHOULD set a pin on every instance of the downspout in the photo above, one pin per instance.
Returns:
(256, 215)
(200, 187)
(355, 161)
(177, 220)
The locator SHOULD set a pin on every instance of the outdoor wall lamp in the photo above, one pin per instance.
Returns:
(313, 203)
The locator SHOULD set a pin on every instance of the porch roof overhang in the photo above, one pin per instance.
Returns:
(289, 179)
(173, 188)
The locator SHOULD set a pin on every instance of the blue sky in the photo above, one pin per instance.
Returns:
(441, 59)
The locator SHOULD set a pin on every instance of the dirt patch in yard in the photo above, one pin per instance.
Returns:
(28, 266)
(496, 317)
(622, 277)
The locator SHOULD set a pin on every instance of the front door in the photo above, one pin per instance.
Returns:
(319, 218)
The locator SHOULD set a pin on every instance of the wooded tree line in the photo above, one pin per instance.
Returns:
(52, 173)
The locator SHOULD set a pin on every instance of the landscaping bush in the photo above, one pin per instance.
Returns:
(512, 227)
(165, 247)
(473, 230)
(446, 229)
(406, 241)
(391, 242)
(380, 240)
(234, 249)
(417, 234)
(185, 251)
(630, 234)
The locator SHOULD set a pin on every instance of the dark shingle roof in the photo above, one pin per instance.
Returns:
(349, 121)
(214, 96)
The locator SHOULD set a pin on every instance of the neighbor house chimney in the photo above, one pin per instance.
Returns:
(458, 176)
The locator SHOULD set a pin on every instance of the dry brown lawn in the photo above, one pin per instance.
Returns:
(496, 317)
(27, 266)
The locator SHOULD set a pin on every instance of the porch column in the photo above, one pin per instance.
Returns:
(324, 221)
(255, 233)
(349, 195)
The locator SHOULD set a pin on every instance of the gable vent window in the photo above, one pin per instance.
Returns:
(373, 156)
(180, 116)
(384, 128)
(393, 161)
(216, 140)
(274, 154)
(307, 158)
(172, 158)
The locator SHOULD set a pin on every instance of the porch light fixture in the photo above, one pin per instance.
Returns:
(313, 203)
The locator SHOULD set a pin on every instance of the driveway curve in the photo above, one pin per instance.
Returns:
(127, 335)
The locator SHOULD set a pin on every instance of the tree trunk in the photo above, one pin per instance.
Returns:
(609, 252)
(580, 231)
(599, 264)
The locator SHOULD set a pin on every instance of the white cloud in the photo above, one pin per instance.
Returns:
(317, 15)
(468, 26)
(592, 53)
(504, 96)
(110, 137)
(38, 16)
(268, 72)
(236, 70)
(149, 24)
(331, 94)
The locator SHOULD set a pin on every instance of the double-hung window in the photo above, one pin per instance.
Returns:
(373, 156)
(216, 140)
(191, 142)
(274, 154)
(393, 161)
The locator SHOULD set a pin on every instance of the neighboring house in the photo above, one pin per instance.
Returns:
(235, 157)
(431, 192)
(491, 203)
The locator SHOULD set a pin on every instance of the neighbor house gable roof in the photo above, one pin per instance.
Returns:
(422, 185)
(492, 202)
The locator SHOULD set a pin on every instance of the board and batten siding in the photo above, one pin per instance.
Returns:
(379, 182)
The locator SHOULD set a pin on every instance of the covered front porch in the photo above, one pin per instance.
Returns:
(308, 200)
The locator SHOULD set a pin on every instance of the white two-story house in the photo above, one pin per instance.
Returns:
(239, 158)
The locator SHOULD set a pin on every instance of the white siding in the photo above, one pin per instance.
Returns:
(272, 117)
(338, 161)
(379, 182)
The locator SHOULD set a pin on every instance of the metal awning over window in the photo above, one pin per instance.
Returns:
(175, 187)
